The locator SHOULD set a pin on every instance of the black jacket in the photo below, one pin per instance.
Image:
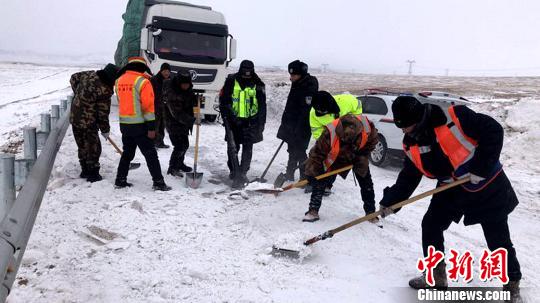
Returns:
(249, 130)
(294, 128)
(178, 107)
(493, 202)
(157, 85)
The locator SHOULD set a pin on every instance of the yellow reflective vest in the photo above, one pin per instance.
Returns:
(348, 104)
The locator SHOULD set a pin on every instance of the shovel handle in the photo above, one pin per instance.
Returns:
(272, 160)
(332, 232)
(325, 175)
(196, 157)
(118, 150)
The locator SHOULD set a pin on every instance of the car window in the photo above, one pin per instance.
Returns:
(373, 105)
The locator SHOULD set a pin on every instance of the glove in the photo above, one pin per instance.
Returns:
(311, 180)
(476, 179)
(386, 211)
(105, 135)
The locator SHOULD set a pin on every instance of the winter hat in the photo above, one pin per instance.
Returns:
(165, 66)
(298, 67)
(324, 102)
(108, 74)
(407, 111)
(247, 69)
(184, 77)
(137, 64)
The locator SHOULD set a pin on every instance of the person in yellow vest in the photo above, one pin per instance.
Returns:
(137, 121)
(325, 109)
(242, 104)
(446, 144)
(345, 141)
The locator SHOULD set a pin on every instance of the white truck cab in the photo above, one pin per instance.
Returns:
(193, 39)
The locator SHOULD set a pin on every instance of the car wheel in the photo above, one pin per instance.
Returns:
(379, 156)
(210, 118)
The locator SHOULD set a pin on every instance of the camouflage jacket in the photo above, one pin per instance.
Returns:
(348, 153)
(91, 102)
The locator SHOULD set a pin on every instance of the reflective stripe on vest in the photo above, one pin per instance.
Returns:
(458, 147)
(137, 116)
(244, 101)
(335, 143)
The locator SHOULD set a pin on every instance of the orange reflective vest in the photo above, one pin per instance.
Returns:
(135, 98)
(335, 143)
(455, 144)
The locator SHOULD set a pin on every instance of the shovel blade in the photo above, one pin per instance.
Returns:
(280, 180)
(282, 252)
(193, 180)
(134, 165)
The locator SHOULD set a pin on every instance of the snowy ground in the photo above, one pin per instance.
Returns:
(92, 243)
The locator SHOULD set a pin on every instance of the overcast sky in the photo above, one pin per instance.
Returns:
(479, 37)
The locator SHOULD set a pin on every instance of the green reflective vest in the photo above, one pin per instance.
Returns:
(244, 101)
(348, 104)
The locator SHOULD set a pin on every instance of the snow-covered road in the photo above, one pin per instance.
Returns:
(92, 243)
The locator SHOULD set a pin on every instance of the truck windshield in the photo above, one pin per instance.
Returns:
(191, 47)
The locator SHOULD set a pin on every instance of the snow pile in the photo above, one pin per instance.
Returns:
(524, 118)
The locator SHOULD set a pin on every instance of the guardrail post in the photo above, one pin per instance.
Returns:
(7, 177)
(55, 115)
(44, 130)
(30, 143)
(63, 107)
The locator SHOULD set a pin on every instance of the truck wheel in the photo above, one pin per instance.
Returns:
(379, 156)
(210, 118)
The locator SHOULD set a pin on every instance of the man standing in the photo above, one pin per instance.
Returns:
(157, 85)
(92, 91)
(448, 144)
(242, 104)
(137, 121)
(325, 109)
(346, 140)
(294, 128)
(179, 100)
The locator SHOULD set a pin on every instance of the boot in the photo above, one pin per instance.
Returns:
(240, 181)
(121, 183)
(161, 186)
(308, 189)
(175, 172)
(93, 175)
(162, 145)
(513, 288)
(185, 168)
(84, 171)
(311, 216)
(439, 275)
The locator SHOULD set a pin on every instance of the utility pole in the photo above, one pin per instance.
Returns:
(324, 67)
(447, 71)
(411, 62)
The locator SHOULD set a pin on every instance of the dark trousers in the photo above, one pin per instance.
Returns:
(181, 145)
(247, 153)
(149, 152)
(89, 147)
(366, 191)
(297, 157)
(160, 125)
(438, 219)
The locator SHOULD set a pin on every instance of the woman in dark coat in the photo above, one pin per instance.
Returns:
(179, 99)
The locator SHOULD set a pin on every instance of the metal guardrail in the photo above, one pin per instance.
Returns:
(17, 225)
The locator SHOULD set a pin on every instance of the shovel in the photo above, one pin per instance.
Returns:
(194, 178)
(276, 251)
(261, 178)
(132, 165)
(303, 182)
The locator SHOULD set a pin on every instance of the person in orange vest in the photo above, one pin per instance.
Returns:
(137, 121)
(347, 140)
(448, 144)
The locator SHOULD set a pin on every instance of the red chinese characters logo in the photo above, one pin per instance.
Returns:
(460, 266)
(429, 263)
(494, 265)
